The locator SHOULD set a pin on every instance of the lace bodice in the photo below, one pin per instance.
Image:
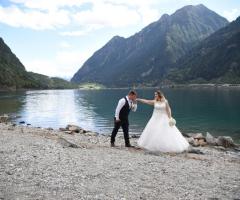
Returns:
(160, 107)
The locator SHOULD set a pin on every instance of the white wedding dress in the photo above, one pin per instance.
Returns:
(158, 135)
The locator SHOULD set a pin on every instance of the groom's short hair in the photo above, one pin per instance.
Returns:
(132, 92)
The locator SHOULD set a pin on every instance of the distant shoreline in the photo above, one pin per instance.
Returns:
(208, 85)
(194, 85)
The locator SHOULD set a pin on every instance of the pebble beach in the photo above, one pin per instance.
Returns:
(37, 163)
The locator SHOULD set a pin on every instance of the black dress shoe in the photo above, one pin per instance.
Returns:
(129, 145)
(112, 145)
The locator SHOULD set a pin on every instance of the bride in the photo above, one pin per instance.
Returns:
(160, 133)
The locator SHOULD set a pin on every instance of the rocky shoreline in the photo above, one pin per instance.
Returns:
(72, 163)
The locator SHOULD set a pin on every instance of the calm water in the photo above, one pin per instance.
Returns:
(216, 110)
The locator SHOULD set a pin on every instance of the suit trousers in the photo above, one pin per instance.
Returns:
(124, 124)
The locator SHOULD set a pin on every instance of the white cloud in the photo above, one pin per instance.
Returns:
(149, 10)
(49, 4)
(84, 31)
(37, 20)
(53, 14)
(108, 15)
(76, 33)
(64, 64)
(232, 14)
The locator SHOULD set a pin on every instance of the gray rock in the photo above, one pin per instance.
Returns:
(225, 141)
(195, 143)
(83, 131)
(91, 133)
(198, 136)
(188, 135)
(220, 148)
(62, 129)
(190, 140)
(9, 172)
(135, 136)
(65, 143)
(237, 149)
(202, 142)
(75, 129)
(194, 135)
(210, 139)
(195, 151)
(4, 118)
(69, 132)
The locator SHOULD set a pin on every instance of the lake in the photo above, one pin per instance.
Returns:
(214, 110)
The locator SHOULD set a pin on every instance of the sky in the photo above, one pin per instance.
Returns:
(55, 37)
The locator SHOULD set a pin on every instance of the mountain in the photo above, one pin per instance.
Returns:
(216, 59)
(13, 74)
(147, 56)
(46, 82)
(12, 71)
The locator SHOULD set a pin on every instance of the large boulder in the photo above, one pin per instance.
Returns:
(195, 143)
(75, 129)
(210, 139)
(198, 136)
(225, 141)
(202, 142)
(193, 135)
(190, 140)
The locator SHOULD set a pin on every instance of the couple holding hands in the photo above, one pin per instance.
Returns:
(160, 133)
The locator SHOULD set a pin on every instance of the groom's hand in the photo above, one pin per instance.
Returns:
(117, 120)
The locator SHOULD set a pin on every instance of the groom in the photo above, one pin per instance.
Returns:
(125, 105)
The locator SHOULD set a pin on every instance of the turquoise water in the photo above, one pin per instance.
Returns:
(216, 110)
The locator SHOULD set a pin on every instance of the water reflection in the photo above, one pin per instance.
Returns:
(56, 108)
(11, 102)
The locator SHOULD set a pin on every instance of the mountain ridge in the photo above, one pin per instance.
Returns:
(216, 59)
(149, 54)
(13, 74)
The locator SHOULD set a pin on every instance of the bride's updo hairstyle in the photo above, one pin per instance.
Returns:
(160, 95)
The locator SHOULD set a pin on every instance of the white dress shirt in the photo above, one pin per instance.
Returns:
(121, 103)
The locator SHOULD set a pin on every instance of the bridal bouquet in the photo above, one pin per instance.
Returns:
(172, 122)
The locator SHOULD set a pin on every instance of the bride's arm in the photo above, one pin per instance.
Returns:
(149, 102)
(168, 109)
